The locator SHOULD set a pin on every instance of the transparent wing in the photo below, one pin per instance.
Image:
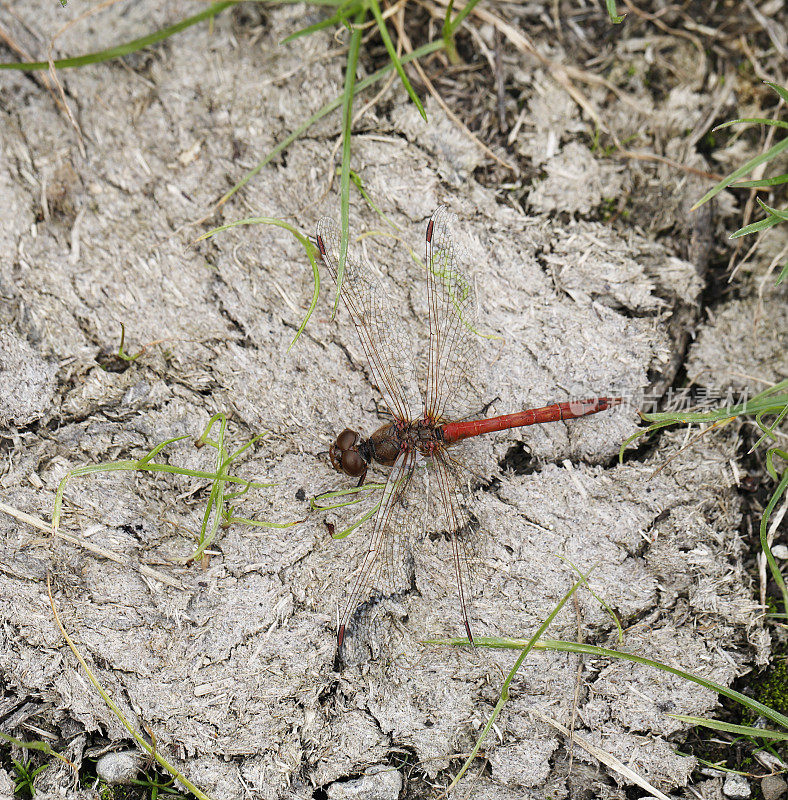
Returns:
(386, 567)
(449, 393)
(463, 538)
(384, 337)
(425, 513)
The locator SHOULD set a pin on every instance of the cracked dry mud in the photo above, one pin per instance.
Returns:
(234, 670)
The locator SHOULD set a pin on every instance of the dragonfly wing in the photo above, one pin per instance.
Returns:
(461, 528)
(386, 567)
(384, 337)
(454, 339)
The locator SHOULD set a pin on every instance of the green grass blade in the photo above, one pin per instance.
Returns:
(737, 730)
(128, 47)
(770, 468)
(771, 400)
(259, 523)
(612, 14)
(775, 212)
(311, 253)
(639, 434)
(41, 746)
(761, 158)
(783, 275)
(763, 183)
(777, 123)
(767, 551)
(782, 91)
(347, 121)
(448, 35)
(755, 227)
(576, 647)
(318, 26)
(138, 738)
(354, 176)
(768, 431)
(356, 494)
(346, 9)
(458, 20)
(384, 34)
(358, 523)
(504, 696)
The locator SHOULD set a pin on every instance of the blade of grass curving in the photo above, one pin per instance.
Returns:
(767, 512)
(612, 12)
(346, 9)
(141, 743)
(41, 746)
(783, 275)
(775, 123)
(781, 90)
(128, 47)
(728, 727)
(775, 212)
(384, 35)
(131, 466)
(768, 431)
(602, 602)
(357, 495)
(770, 454)
(504, 696)
(357, 524)
(347, 122)
(639, 434)
(213, 508)
(370, 202)
(311, 252)
(770, 401)
(424, 50)
(761, 158)
(759, 709)
(356, 490)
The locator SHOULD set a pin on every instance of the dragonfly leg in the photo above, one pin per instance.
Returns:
(486, 407)
(382, 411)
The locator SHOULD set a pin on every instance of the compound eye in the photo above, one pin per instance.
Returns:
(346, 439)
(353, 464)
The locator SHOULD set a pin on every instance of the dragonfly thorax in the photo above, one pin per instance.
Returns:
(352, 455)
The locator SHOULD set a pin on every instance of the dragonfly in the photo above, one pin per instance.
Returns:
(430, 399)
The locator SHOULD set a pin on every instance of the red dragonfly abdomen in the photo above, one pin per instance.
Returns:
(454, 431)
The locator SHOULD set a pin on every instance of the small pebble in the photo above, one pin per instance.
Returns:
(736, 787)
(117, 768)
(773, 787)
(780, 551)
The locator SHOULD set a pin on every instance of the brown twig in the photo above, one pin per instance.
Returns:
(35, 522)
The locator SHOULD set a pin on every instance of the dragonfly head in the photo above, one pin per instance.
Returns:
(347, 454)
